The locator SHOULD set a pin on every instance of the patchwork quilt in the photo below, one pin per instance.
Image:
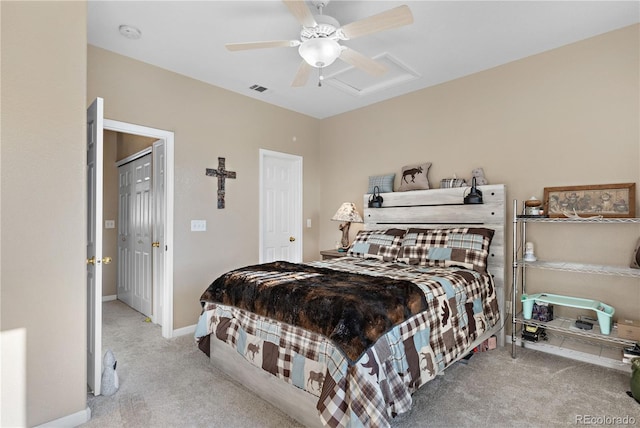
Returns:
(362, 335)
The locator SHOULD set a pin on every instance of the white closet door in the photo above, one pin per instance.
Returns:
(135, 225)
(142, 235)
(125, 279)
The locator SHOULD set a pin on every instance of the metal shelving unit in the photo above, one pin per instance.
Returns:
(564, 326)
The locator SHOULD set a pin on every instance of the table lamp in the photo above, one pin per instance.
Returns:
(348, 214)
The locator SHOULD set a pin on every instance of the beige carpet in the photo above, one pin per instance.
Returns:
(170, 383)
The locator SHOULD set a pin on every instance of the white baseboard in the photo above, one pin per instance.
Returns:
(73, 420)
(109, 298)
(190, 329)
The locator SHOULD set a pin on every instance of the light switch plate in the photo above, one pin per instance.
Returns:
(198, 225)
(109, 224)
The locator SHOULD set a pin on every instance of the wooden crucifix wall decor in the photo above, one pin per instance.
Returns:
(222, 175)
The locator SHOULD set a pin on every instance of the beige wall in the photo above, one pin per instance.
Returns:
(129, 145)
(569, 116)
(565, 117)
(208, 123)
(43, 161)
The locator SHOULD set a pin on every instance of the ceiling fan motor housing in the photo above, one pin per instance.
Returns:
(326, 27)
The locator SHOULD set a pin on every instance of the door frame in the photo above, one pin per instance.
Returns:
(264, 153)
(168, 137)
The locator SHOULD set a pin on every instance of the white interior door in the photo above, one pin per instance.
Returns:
(280, 207)
(94, 244)
(158, 245)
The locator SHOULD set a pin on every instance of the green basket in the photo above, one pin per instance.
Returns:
(604, 311)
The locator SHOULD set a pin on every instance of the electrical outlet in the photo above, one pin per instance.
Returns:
(198, 225)
(507, 307)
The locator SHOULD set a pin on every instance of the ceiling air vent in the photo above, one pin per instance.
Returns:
(258, 88)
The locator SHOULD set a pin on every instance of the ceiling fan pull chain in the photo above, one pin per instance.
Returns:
(320, 77)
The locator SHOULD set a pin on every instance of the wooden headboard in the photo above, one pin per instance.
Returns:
(437, 208)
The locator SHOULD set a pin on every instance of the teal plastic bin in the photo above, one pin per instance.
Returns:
(604, 311)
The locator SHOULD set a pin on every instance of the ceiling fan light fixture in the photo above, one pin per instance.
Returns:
(320, 52)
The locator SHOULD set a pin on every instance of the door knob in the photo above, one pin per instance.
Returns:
(155, 244)
(106, 260)
(91, 261)
(291, 239)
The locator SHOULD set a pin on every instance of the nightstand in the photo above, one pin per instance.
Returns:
(332, 254)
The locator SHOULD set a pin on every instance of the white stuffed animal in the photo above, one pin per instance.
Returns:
(110, 382)
(478, 174)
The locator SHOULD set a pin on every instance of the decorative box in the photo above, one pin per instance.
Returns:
(542, 311)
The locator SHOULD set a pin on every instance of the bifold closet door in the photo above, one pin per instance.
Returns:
(125, 279)
(135, 235)
(142, 235)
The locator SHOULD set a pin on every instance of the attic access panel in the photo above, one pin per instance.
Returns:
(358, 83)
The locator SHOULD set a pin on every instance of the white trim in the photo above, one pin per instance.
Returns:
(190, 329)
(299, 230)
(134, 156)
(109, 298)
(72, 420)
(168, 137)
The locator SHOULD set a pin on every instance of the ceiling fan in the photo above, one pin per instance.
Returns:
(319, 40)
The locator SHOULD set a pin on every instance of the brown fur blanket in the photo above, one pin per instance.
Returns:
(351, 309)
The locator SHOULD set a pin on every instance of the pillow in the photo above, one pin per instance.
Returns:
(467, 247)
(384, 183)
(381, 244)
(414, 177)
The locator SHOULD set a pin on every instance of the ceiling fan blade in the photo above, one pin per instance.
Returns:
(302, 75)
(262, 45)
(362, 62)
(392, 18)
(299, 9)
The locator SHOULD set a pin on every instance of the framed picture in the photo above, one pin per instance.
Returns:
(607, 200)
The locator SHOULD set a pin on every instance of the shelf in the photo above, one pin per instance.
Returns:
(566, 326)
(577, 220)
(604, 355)
(564, 338)
(582, 267)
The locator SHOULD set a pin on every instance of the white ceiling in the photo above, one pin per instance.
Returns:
(448, 40)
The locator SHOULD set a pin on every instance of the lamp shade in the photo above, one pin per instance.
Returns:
(320, 52)
(347, 212)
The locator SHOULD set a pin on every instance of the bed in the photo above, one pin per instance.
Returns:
(346, 342)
